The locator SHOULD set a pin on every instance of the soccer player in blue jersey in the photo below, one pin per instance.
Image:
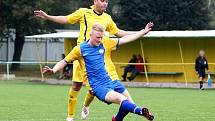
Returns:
(90, 55)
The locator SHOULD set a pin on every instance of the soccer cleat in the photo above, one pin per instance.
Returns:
(114, 118)
(147, 114)
(70, 119)
(85, 112)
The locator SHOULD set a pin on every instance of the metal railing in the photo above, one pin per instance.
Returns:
(116, 63)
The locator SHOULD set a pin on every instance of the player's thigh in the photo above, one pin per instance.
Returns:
(77, 72)
(103, 93)
(120, 88)
(114, 97)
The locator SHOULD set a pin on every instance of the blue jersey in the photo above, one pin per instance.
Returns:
(91, 59)
(95, 66)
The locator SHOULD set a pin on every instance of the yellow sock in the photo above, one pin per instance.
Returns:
(88, 99)
(72, 99)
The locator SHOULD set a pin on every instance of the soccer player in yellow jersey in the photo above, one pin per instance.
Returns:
(86, 18)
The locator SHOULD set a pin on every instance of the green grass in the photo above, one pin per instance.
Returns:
(25, 101)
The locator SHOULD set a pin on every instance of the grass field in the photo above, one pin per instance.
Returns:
(25, 101)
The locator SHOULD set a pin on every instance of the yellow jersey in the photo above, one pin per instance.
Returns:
(86, 18)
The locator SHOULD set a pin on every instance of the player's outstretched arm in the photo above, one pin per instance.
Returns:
(132, 37)
(60, 65)
(57, 19)
(123, 33)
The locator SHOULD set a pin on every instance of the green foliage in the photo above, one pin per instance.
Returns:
(166, 14)
(18, 14)
(211, 6)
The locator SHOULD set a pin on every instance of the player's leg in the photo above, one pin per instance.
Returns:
(126, 70)
(107, 94)
(73, 92)
(201, 79)
(88, 99)
(134, 73)
(200, 82)
(118, 87)
(126, 106)
(128, 96)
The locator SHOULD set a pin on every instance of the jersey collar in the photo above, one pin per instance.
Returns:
(92, 7)
(99, 14)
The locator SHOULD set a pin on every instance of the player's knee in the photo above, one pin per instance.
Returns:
(127, 95)
(76, 86)
(119, 98)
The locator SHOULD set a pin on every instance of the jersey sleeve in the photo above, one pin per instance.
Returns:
(76, 16)
(112, 27)
(111, 43)
(73, 55)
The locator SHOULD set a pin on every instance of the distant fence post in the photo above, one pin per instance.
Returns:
(8, 71)
(144, 61)
(182, 61)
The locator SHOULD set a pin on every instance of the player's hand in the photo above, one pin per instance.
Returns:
(47, 70)
(41, 14)
(148, 27)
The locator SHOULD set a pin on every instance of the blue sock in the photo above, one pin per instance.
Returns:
(125, 107)
(121, 114)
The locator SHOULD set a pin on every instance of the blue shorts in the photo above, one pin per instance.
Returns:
(101, 91)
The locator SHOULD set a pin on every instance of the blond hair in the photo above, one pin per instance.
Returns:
(98, 27)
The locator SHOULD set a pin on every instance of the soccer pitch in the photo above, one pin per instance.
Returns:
(25, 101)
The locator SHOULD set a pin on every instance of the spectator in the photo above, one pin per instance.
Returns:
(130, 68)
(140, 68)
(200, 66)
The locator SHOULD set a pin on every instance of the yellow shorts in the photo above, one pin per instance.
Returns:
(76, 72)
(78, 76)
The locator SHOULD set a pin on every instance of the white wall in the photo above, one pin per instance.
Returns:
(34, 51)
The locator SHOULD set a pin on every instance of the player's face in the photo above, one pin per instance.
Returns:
(202, 53)
(96, 37)
(101, 5)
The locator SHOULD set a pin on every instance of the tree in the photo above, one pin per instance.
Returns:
(166, 14)
(211, 7)
(18, 14)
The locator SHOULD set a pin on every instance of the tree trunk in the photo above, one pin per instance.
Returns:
(18, 46)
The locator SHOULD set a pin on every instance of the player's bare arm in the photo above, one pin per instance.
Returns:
(57, 19)
(59, 66)
(132, 37)
(123, 33)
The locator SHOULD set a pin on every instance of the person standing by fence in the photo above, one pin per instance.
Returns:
(201, 65)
